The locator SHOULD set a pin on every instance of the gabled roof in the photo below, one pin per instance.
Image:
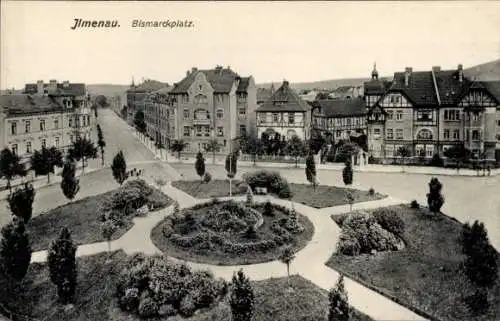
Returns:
(243, 85)
(376, 87)
(71, 89)
(221, 80)
(284, 99)
(450, 88)
(28, 104)
(148, 85)
(493, 88)
(263, 94)
(341, 107)
(420, 89)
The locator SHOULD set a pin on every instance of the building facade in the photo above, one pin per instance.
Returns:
(215, 104)
(158, 116)
(53, 114)
(286, 114)
(137, 95)
(428, 112)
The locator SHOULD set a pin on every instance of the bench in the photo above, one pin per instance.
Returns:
(261, 190)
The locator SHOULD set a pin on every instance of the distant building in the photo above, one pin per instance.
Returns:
(347, 92)
(284, 113)
(158, 115)
(213, 104)
(137, 94)
(310, 96)
(53, 114)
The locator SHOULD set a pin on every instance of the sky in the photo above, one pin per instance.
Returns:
(271, 41)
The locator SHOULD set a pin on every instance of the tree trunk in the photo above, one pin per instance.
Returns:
(83, 165)
(179, 155)
(102, 156)
(230, 187)
(213, 157)
(161, 154)
(8, 186)
(254, 159)
(48, 177)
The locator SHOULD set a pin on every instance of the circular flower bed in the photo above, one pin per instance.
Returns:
(230, 233)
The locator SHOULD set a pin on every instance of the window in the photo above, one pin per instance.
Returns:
(28, 147)
(429, 150)
(399, 115)
(186, 113)
(13, 128)
(70, 124)
(220, 131)
(187, 131)
(399, 133)
(475, 135)
(220, 113)
(291, 118)
(419, 150)
(27, 126)
(475, 117)
(390, 133)
(201, 114)
(446, 134)
(389, 150)
(14, 149)
(376, 131)
(348, 121)
(498, 137)
(243, 130)
(200, 99)
(424, 134)
(456, 134)
(56, 124)
(452, 115)
(276, 117)
(56, 142)
(44, 143)
(498, 122)
(424, 115)
(242, 111)
(338, 133)
(42, 124)
(88, 119)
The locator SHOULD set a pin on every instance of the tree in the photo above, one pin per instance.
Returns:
(347, 173)
(403, 152)
(311, 170)
(458, 153)
(231, 162)
(242, 298)
(44, 161)
(350, 199)
(200, 165)
(69, 184)
(177, 146)
(108, 228)
(338, 302)
(15, 250)
(119, 168)
(213, 146)
(435, 199)
(100, 142)
(10, 166)
(249, 195)
(295, 147)
(101, 101)
(286, 258)
(62, 266)
(252, 145)
(21, 202)
(82, 149)
(344, 151)
(139, 122)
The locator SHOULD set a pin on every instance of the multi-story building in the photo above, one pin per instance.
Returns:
(158, 116)
(213, 104)
(340, 118)
(430, 111)
(137, 94)
(284, 113)
(53, 114)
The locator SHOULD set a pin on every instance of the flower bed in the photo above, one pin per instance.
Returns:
(230, 233)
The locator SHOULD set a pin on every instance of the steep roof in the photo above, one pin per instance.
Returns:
(493, 88)
(149, 85)
(70, 89)
(243, 85)
(221, 80)
(341, 107)
(420, 89)
(450, 88)
(28, 104)
(284, 99)
(376, 87)
(263, 94)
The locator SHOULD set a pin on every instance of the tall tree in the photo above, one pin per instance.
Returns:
(177, 146)
(70, 185)
(311, 170)
(435, 199)
(347, 173)
(140, 122)
(286, 257)
(119, 168)
(458, 153)
(10, 166)
(403, 152)
(21, 202)
(213, 146)
(62, 266)
(295, 147)
(15, 249)
(230, 165)
(242, 298)
(199, 165)
(44, 161)
(338, 302)
(82, 149)
(251, 145)
(100, 142)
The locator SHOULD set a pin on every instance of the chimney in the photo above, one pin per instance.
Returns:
(53, 84)
(66, 84)
(194, 69)
(187, 73)
(460, 73)
(408, 71)
(39, 87)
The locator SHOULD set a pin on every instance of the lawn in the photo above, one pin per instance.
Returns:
(214, 243)
(98, 276)
(426, 275)
(321, 197)
(82, 217)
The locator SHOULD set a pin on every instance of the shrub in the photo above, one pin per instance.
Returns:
(268, 209)
(166, 310)
(251, 233)
(478, 301)
(130, 301)
(148, 308)
(380, 239)
(348, 244)
(414, 204)
(435, 199)
(187, 307)
(271, 180)
(207, 177)
(390, 221)
(437, 161)
(371, 192)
